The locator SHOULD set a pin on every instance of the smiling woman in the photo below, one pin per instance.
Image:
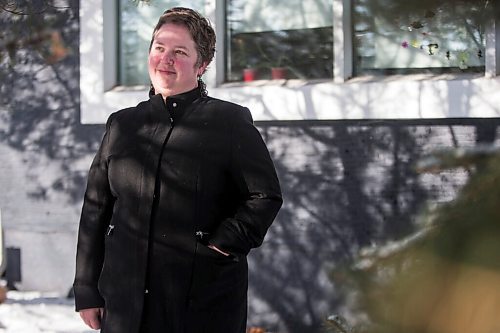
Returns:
(181, 189)
(173, 63)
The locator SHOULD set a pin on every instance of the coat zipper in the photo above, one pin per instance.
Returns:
(110, 229)
(200, 234)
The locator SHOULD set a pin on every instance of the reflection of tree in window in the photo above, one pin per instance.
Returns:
(392, 36)
(136, 22)
(296, 35)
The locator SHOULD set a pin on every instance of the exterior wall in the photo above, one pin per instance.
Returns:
(346, 183)
(394, 97)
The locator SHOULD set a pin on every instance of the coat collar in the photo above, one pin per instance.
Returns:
(175, 105)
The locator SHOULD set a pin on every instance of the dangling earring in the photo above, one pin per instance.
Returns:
(202, 86)
(151, 91)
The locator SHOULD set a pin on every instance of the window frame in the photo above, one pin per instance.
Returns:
(343, 97)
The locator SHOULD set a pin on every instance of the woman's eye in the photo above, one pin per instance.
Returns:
(159, 48)
(180, 52)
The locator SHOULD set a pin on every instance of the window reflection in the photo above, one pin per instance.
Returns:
(136, 24)
(279, 39)
(392, 36)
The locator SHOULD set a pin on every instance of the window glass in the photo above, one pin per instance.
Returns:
(136, 24)
(290, 38)
(393, 36)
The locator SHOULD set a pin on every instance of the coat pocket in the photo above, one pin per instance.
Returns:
(202, 248)
(204, 251)
(216, 277)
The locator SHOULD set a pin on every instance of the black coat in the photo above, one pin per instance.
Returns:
(168, 178)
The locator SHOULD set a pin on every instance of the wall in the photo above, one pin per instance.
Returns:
(347, 184)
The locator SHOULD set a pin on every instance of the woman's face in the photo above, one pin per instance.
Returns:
(172, 61)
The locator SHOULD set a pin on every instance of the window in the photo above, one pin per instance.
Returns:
(279, 39)
(392, 36)
(363, 35)
(136, 24)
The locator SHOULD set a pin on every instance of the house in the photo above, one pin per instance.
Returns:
(360, 104)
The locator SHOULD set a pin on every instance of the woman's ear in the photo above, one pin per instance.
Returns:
(202, 69)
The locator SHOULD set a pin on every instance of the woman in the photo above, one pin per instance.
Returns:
(181, 189)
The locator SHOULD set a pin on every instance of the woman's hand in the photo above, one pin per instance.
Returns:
(92, 317)
(213, 247)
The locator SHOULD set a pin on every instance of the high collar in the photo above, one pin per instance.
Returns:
(176, 104)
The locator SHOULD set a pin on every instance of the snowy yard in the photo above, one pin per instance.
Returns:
(33, 312)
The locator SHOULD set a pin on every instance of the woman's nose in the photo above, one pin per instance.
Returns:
(168, 58)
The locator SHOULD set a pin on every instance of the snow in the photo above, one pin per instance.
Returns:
(35, 312)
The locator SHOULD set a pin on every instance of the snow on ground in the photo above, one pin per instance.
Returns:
(34, 312)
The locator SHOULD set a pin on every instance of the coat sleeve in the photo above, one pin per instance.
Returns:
(95, 217)
(253, 171)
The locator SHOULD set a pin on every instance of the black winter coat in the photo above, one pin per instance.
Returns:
(169, 178)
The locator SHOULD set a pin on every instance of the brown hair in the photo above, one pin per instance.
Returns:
(198, 26)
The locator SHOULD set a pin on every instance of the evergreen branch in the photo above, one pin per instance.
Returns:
(339, 323)
(453, 158)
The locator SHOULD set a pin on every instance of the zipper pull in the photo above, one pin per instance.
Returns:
(200, 234)
(110, 229)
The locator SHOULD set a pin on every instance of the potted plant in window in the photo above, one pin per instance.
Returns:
(278, 72)
(243, 64)
(250, 71)
(249, 74)
(274, 53)
(277, 66)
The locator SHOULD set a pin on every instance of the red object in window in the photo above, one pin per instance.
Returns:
(249, 74)
(278, 73)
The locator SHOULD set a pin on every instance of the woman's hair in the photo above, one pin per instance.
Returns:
(198, 26)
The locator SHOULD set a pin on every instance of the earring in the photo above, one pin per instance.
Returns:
(202, 86)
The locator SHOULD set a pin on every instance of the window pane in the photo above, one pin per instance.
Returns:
(393, 36)
(136, 23)
(295, 35)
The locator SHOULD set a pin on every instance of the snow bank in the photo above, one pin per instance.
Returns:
(35, 312)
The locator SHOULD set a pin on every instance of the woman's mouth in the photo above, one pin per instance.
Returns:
(166, 71)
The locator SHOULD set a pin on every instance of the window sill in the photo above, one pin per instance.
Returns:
(291, 83)
(415, 77)
(297, 83)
